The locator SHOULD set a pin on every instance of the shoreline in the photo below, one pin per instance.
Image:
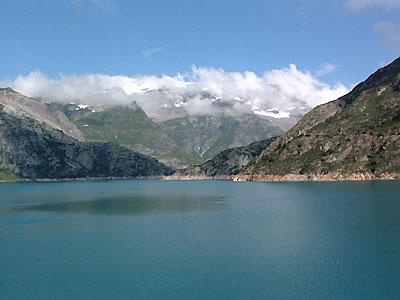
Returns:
(334, 177)
(79, 179)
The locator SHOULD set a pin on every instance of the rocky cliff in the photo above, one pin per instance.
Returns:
(355, 135)
(228, 162)
(36, 150)
(40, 111)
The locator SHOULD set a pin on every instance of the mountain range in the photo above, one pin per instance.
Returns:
(354, 137)
(36, 143)
(172, 134)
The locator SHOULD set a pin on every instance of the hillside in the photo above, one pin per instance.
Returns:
(206, 136)
(354, 137)
(40, 111)
(36, 150)
(179, 141)
(228, 162)
(131, 128)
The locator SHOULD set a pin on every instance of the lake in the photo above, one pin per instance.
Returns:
(153, 239)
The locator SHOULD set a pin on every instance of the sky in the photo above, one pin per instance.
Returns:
(336, 43)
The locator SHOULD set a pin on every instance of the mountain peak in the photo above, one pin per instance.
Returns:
(384, 75)
(354, 137)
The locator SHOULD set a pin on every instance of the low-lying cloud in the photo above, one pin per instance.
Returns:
(199, 92)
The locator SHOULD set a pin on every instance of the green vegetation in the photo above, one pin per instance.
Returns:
(130, 127)
(6, 175)
(362, 136)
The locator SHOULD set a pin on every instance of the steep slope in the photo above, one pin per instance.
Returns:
(40, 111)
(206, 136)
(354, 137)
(34, 149)
(226, 163)
(131, 128)
(177, 142)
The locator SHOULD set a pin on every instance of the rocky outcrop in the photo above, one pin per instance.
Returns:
(315, 177)
(40, 111)
(226, 163)
(206, 136)
(36, 150)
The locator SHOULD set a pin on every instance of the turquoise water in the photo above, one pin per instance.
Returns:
(200, 240)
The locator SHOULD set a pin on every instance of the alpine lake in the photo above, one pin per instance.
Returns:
(154, 239)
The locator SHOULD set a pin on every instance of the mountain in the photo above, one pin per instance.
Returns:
(228, 162)
(184, 125)
(354, 137)
(206, 136)
(180, 140)
(33, 149)
(40, 111)
(130, 127)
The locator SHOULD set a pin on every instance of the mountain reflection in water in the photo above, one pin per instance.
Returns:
(130, 205)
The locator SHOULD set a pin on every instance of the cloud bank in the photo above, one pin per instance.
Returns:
(276, 93)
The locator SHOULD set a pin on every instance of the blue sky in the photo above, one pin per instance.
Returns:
(338, 40)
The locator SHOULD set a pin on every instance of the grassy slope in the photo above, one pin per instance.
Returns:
(361, 138)
(6, 175)
(133, 129)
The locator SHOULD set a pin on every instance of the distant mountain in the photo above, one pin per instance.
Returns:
(33, 149)
(180, 140)
(206, 136)
(40, 111)
(228, 162)
(354, 137)
(130, 127)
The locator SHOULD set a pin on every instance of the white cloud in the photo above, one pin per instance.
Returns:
(201, 91)
(391, 36)
(152, 51)
(109, 7)
(361, 4)
(325, 69)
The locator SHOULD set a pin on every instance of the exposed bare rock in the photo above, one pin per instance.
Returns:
(228, 162)
(36, 150)
(40, 111)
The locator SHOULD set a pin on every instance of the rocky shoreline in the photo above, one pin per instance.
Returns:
(79, 179)
(293, 177)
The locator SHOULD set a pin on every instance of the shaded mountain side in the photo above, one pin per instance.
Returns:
(206, 136)
(178, 142)
(228, 162)
(131, 128)
(40, 111)
(356, 134)
(36, 150)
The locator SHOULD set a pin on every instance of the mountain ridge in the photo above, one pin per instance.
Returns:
(355, 137)
(35, 150)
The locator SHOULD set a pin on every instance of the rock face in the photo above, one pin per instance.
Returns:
(36, 150)
(226, 163)
(40, 111)
(206, 136)
(358, 133)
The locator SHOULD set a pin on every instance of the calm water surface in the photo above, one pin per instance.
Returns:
(200, 240)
